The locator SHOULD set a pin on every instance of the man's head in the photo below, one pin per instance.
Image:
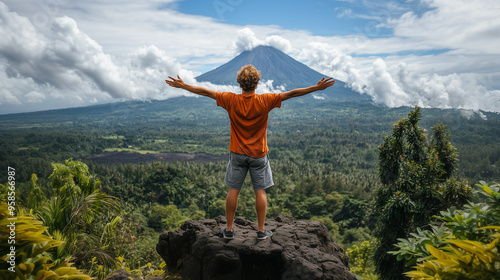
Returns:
(248, 77)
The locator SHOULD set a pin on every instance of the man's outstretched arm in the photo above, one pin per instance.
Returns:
(321, 85)
(179, 83)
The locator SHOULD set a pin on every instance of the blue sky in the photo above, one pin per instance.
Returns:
(319, 17)
(430, 53)
(322, 18)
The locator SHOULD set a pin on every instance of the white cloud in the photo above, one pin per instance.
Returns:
(470, 26)
(8, 98)
(75, 55)
(65, 58)
(382, 87)
(267, 86)
(34, 97)
(447, 91)
(318, 96)
(149, 67)
(332, 61)
(279, 43)
(247, 40)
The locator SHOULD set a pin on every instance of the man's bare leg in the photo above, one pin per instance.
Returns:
(261, 207)
(231, 205)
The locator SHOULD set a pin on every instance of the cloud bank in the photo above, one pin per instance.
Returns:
(63, 64)
(403, 86)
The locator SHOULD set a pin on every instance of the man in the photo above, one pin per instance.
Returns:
(248, 113)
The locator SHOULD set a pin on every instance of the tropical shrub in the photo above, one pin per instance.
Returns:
(144, 271)
(31, 256)
(361, 261)
(465, 246)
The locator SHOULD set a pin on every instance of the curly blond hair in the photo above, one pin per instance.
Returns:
(248, 77)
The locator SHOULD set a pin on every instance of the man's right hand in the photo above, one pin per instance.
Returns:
(179, 83)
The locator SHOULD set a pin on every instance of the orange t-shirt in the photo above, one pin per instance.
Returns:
(248, 115)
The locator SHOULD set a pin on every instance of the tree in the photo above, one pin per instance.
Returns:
(165, 217)
(446, 153)
(413, 174)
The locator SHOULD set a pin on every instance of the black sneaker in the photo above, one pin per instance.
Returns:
(261, 235)
(227, 234)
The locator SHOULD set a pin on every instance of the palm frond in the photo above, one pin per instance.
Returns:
(54, 214)
(90, 207)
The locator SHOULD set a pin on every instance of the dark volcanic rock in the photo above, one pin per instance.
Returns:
(297, 250)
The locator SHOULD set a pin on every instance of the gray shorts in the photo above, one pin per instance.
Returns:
(239, 165)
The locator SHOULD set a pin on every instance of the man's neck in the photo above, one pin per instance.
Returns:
(248, 92)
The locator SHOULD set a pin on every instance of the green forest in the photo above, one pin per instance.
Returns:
(360, 169)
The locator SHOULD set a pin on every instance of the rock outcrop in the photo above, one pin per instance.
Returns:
(297, 250)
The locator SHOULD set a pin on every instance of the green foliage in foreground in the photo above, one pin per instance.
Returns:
(34, 253)
(361, 260)
(465, 246)
(88, 228)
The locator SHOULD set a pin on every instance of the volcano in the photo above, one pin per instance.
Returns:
(279, 67)
(272, 63)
